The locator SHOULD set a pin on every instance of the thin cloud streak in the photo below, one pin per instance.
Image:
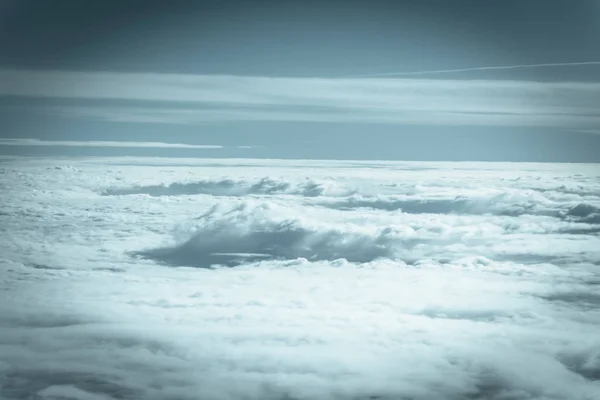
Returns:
(500, 67)
(101, 143)
(331, 115)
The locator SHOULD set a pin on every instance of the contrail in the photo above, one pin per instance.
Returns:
(449, 71)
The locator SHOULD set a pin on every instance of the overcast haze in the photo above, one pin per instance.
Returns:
(305, 79)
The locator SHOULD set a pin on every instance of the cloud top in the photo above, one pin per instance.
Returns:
(105, 296)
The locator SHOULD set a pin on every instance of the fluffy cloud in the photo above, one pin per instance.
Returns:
(201, 98)
(453, 291)
(230, 187)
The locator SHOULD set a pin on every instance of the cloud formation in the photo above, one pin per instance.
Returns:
(194, 99)
(100, 143)
(229, 187)
(104, 294)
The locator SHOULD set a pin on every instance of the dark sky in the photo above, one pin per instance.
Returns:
(296, 38)
(299, 39)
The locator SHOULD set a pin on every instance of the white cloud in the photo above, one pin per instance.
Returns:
(100, 143)
(230, 187)
(407, 101)
(492, 294)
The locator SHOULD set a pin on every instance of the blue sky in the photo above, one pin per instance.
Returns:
(303, 80)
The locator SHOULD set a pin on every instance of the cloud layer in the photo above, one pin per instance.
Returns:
(193, 99)
(298, 280)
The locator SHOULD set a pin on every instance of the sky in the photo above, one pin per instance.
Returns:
(396, 80)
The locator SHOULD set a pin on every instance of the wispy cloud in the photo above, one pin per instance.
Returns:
(101, 143)
(489, 68)
(192, 99)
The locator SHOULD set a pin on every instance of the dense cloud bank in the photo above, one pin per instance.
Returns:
(298, 280)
